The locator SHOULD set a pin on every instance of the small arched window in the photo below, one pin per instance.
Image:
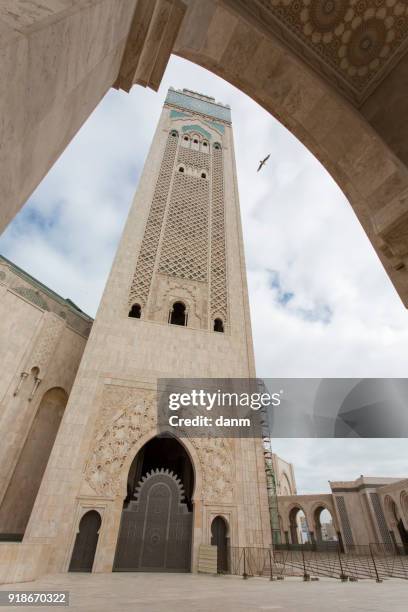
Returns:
(218, 325)
(205, 144)
(203, 175)
(135, 312)
(181, 169)
(186, 138)
(174, 133)
(178, 314)
(217, 145)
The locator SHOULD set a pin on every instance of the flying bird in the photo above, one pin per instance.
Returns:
(261, 163)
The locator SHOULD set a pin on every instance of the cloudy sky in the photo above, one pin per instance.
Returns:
(321, 303)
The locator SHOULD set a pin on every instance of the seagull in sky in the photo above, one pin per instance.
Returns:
(261, 163)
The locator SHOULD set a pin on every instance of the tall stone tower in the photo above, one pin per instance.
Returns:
(175, 305)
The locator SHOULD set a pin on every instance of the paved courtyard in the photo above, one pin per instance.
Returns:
(198, 593)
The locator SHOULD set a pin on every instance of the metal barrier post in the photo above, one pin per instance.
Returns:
(270, 565)
(378, 579)
(306, 576)
(244, 575)
(343, 576)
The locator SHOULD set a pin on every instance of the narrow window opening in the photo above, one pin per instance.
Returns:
(181, 169)
(186, 138)
(178, 315)
(217, 146)
(203, 175)
(195, 141)
(204, 144)
(174, 133)
(136, 311)
(218, 325)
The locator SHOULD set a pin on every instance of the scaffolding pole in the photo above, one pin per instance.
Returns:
(269, 471)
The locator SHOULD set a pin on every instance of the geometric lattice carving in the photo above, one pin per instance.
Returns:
(218, 298)
(379, 515)
(50, 333)
(32, 296)
(127, 414)
(116, 443)
(217, 468)
(345, 522)
(355, 44)
(142, 279)
(184, 252)
(179, 240)
(194, 158)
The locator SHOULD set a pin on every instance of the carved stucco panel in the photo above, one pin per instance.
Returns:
(127, 414)
(46, 343)
(132, 415)
(217, 463)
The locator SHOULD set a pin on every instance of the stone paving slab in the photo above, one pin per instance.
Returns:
(137, 592)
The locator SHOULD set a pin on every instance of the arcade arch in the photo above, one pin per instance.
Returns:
(324, 525)
(298, 526)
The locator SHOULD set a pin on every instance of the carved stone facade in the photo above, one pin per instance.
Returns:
(47, 340)
(354, 44)
(148, 252)
(264, 47)
(34, 292)
(184, 237)
(219, 300)
(128, 415)
(184, 251)
(42, 338)
(217, 465)
(182, 244)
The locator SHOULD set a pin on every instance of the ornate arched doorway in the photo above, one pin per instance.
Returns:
(157, 518)
(86, 540)
(219, 531)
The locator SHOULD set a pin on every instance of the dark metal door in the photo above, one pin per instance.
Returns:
(155, 531)
(219, 539)
(85, 543)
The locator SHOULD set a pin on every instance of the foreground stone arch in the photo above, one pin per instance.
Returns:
(242, 49)
(53, 88)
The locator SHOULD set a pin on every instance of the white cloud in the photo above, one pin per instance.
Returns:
(344, 317)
